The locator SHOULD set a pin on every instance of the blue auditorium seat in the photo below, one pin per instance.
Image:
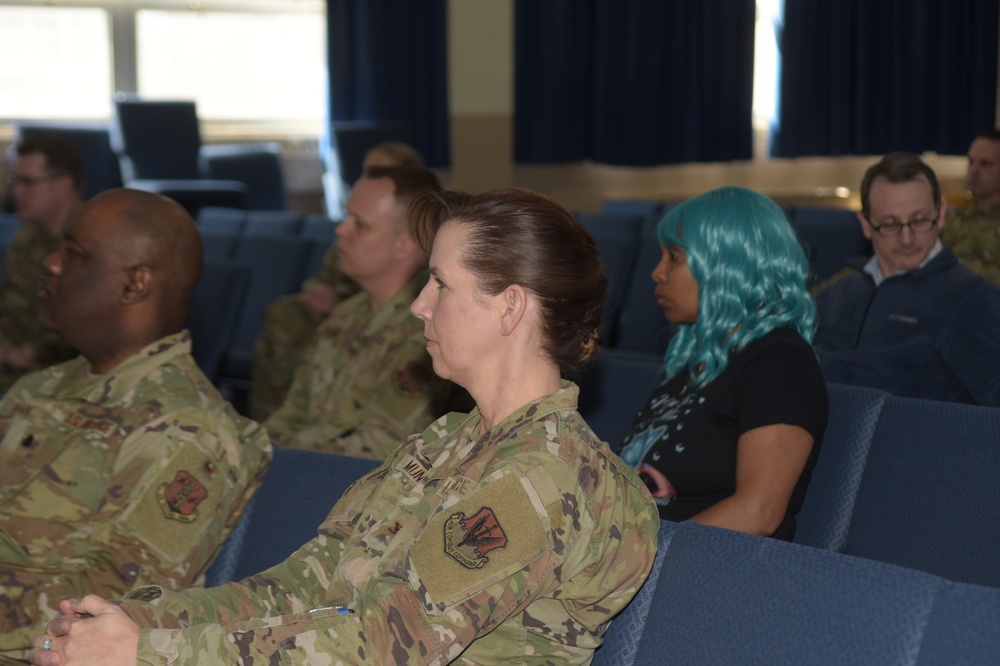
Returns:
(928, 494)
(297, 493)
(219, 245)
(830, 236)
(9, 224)
(319, 226)
(256, 165)
(604, 223)
(642, 207)
(318, 248)
(273, 222)
(277, 263)
(825, 516)
(613, 386)
(641, 324)
(218, 219)
(215, 306)
(618, 254)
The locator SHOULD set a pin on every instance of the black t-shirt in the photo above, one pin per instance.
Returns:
(683, 441)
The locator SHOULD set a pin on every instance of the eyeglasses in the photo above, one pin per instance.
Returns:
(916, 226)
(28, 181)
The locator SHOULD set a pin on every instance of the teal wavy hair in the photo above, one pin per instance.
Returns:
(751, 274)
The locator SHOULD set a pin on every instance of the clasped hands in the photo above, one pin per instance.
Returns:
(90, 631)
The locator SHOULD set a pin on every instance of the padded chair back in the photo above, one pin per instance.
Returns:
(297, 493)
(830, 237)
(614, 385)
(318, 248)
(825, 516)
(642, 207)
(277, 263)
(963, 627)
(928, 495)
(641, 324)
(215, 305)
(618, 252)
(224, 220)
(158, 140)
(726, 597)
(9, 224)
(100, 164)
(319, 226)
(604, 223)
(257, 165)
(219, 245)
(273, 222)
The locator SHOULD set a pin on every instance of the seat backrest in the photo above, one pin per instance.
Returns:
(830, 236)
(297, 493)
(618, 252)
(964, 627)
(9, 224)
(273, 222)
(159, 140)
(825, 516)
(257, 165)
(613, 386)
(644, 208)
(641, 324)
(726, 597)
(319, 226)
(928, 494)
(219, 245)
(277, 263)
(218, 219)
(215, 306)
(611, 222)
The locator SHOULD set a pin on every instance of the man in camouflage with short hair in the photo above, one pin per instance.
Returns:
(123, 466)
(520, 543)
(46, 183)
(366, 382)
(973, 232)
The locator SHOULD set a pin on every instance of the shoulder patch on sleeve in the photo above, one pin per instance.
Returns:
(488, 536)
(175, 504)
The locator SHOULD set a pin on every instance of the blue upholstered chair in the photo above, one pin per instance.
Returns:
(618, 250)
(9, 224)
(256, 165)
(319, 226)
(641, 324)
(159, 145)
(830, 237)
(215, 306)
(825, 516)
(604, 223)
(928, 495)
(642, 207)
(221, 220)
(297, 493)
(273, 222)
(614, 385)
(219, 245)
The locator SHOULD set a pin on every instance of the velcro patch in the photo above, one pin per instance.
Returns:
(174, 504)
(496, 531)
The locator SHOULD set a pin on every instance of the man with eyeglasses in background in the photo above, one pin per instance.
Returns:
(46, 183)
(911, 319)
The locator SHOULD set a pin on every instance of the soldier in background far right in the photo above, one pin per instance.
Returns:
(973, 232)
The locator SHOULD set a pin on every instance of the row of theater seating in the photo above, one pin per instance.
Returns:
(894, 560)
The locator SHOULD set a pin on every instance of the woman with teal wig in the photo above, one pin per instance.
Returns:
(731, 435)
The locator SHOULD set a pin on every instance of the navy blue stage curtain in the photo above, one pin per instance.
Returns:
(388, 61)
(633, 82)
(867, 77)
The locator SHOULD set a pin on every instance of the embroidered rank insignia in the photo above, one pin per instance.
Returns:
(468, 540)
(412, 379)
(180, 498)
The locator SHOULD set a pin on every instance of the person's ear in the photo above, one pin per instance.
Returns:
(138, 285)
(866, 227)
(514, 302)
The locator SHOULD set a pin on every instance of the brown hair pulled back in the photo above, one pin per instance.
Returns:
(521, 237)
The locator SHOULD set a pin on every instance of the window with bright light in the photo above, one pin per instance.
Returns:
(766, 71)
(56, 64)
(236, 66)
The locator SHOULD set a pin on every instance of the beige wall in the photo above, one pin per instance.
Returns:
(481, 43)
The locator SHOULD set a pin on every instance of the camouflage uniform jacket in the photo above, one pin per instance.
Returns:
(20, 303)
(365, 383)
(974, 236)
(134, 476)
(514, 546)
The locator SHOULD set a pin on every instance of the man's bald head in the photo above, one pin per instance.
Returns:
(157, 232)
